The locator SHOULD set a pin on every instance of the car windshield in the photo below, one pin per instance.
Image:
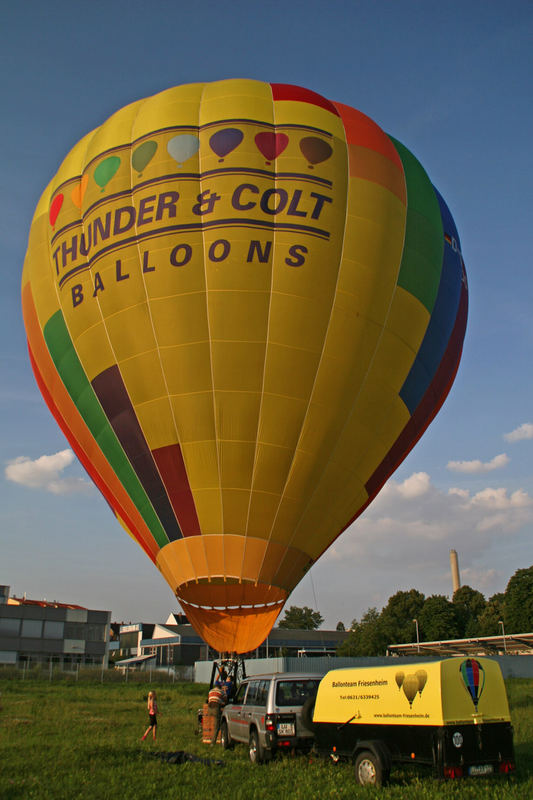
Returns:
(295, 692)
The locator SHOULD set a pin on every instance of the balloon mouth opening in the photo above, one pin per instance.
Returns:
(230, 626)
(230, 595)
(230, 615)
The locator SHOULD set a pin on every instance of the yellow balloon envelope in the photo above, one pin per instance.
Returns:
(244, 304)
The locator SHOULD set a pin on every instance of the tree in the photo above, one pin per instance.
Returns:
(301, 618)
(398, 615)
(438, 619)
(469, 604)
(372, 638)
(518, 603)
(366, 637)
(340, 626)
(489, 619)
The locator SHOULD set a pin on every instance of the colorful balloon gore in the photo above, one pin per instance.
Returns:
(241, 353)
(473, 676)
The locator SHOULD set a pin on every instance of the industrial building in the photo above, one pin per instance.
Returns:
(176, 642)
(42, 632)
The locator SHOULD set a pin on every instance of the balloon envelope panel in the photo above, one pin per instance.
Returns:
(244, 304)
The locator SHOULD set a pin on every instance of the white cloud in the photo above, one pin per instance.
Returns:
(524, 431)
(459, 492)
(46, 473)
(411, 526)
(403, 540)
(499, 499)
(477, 466)
(414, 486)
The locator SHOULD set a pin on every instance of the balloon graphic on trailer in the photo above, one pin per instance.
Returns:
(410, 687)
(241, 353)
(473, 676)
(422, 677)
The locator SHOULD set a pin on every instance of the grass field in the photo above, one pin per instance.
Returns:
(68, 740)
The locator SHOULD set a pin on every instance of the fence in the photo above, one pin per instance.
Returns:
(54, 673)
(511, 666)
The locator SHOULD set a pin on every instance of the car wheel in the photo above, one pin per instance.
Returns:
(258, 754)
(225, 738)
(369, 769)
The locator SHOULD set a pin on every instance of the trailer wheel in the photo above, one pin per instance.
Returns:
(369, 769)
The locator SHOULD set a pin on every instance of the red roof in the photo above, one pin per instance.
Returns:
(22, 601)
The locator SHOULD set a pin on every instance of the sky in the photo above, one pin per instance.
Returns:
(452, 81)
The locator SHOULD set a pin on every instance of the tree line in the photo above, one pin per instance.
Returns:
(467, 615)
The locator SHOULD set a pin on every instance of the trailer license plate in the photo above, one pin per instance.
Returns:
(286, 728)
(481, 769)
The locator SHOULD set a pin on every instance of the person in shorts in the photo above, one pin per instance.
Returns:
(152, 714)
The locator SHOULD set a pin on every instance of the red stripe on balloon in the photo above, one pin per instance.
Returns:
(286, 91)
(475, 675)
(169, 461)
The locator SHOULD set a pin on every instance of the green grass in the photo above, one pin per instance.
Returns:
(69, 740)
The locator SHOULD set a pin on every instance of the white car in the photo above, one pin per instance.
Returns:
(266, 714)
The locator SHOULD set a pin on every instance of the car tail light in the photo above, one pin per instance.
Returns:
(507, 766)
(270, 723)
(453, 772)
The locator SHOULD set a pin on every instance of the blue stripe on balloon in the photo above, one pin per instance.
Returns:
(442, 320)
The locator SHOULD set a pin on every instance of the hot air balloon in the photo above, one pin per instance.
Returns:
(241, 353)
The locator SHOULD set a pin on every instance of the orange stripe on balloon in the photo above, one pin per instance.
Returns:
(373, 166)
(364, 132)
(76, 431)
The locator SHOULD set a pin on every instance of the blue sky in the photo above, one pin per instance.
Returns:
(452, 81)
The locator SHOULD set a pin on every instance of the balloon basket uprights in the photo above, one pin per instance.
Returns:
(227, 667)
(234, 668)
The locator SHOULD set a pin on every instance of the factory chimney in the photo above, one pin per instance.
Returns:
(454, 564)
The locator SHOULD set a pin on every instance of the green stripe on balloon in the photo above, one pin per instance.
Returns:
(424, 235)
(106, 170)
(75, 380)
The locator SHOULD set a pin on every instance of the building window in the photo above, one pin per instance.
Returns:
(95, 632)
(9, 626)
(32, 628)
(75, 630)
(53, 630)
